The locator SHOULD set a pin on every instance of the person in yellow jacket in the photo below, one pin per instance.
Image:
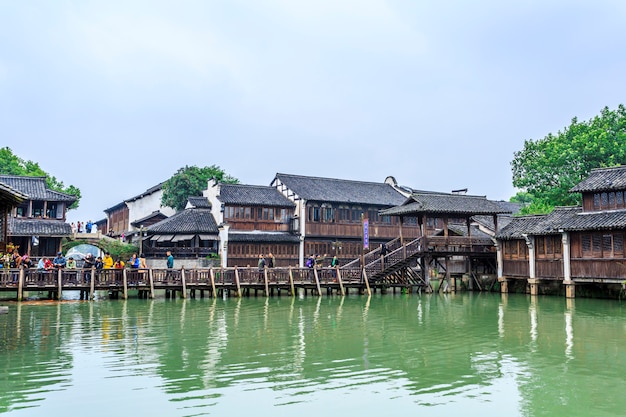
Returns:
(107, 261)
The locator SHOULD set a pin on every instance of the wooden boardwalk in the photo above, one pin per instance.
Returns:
(213, 282)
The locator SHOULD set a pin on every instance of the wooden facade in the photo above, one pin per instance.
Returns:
(571, 245)
(9, 199)
(257, 221)
(37, 224)
(449, 243)
(118, 219)
(330, 215)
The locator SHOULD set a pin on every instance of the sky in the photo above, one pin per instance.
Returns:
(114, 97)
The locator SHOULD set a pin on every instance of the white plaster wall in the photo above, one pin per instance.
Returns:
(146, 205)
(212, 192)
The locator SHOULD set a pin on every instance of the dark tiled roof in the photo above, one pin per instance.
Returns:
(605, 220)
(487, 221)
(262, 237)
(509, 207)
(461, 230)
(192, 220)
(341, 191)
(154, 217)
(563, 218)
(199, 202)
(603, 179)
(34, 188)
(253, 195)
(147, 192)
(115, 207)
(545, 224)
(11, 196)
(38, 227)
(440, 203)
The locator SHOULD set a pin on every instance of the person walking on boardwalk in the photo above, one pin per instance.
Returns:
(261, 267)
(271, 261)
(170, 260)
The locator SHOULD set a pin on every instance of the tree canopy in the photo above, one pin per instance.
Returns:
(191, 181)
(11, 164)
(546, 169)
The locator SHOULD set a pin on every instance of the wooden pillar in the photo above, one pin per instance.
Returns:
(338, 273)
(367, 283)
(401, 236)
(60, 283)
(92, 284)
(237, 282)
(183, 282)
(125, 283)
(212, 275)
(267, 286)
(534, 286)
(20, 285)
(293, 290)
(317, 281)
(151, 281)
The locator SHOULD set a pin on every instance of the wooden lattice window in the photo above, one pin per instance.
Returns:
(585, 241)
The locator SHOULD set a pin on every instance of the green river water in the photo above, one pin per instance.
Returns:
(418, 355)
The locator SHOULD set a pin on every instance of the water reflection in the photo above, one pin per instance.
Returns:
(469, 354)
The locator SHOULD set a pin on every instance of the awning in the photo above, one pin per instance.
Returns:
(178, 238)
(165, 238)
(207, 237)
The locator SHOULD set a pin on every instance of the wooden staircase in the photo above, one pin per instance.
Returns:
(399, 267)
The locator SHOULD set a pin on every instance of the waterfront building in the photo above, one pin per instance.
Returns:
(330, 214)
(254, 220)
(127, 217)
(9, 198)
(190, 234)
(571, 246)
(37, 224)
(451, 244)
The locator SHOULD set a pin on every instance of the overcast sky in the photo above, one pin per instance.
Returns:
(114, 97)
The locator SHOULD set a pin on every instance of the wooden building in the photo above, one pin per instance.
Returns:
(127, 217)
(189, 234)
(9, 199)
(450, 243)
(255, 220)
(572, 245)
(330, 214)
(37, 224)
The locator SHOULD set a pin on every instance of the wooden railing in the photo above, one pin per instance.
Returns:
(211, 279)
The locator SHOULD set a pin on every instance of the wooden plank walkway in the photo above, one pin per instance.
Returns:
(214, 282)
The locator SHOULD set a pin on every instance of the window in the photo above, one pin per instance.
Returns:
(585, 241)
(604, 200)
(314, 214)
(329, 214)
(596, 201)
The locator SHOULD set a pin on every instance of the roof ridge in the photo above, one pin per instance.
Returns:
(330, 178)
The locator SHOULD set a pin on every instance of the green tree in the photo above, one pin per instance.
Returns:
(548, 168)
(191, 181)
(11, 164)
